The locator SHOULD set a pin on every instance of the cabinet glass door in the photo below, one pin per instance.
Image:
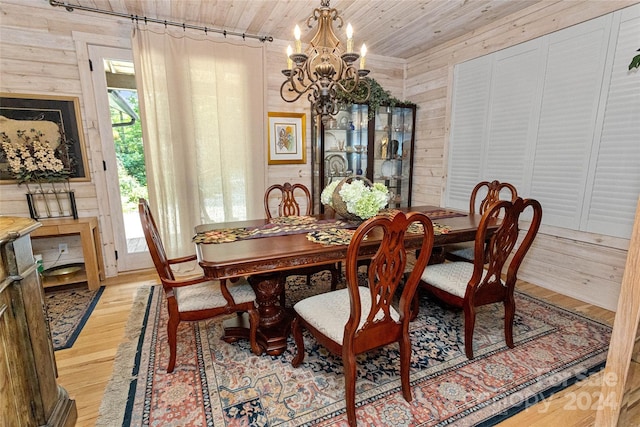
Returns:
(345, 144)
(392, 150)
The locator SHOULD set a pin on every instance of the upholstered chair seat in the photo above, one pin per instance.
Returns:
(208, 295)
(329, 312)
(451, 277)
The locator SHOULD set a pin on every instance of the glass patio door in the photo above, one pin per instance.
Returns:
(121, 134)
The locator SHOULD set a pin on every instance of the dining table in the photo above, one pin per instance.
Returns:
(264, 250)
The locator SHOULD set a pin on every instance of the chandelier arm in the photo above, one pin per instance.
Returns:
(348, 88)
(335, 17)
(333, 93)
(352, 76)
(284, 92)
(298, 77)
(296, 85)
(350, 72)
(299, 89)
(366, 97)
(311, 97)
(315, 15)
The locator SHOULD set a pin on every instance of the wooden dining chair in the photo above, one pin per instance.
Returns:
(357, 319)
(471, 285)
(288, 199)
(289, 206)
(195, 298)
(492, 193)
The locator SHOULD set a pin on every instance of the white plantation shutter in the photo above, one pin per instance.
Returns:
(616, 181)
(470, 100)
(570, 97)
(562, 124)
(512, 113)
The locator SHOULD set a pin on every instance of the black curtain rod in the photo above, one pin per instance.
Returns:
(136, 18)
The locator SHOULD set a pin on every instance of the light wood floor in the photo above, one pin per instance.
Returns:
(85, 369)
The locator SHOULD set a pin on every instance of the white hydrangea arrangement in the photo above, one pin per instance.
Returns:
(326, 197)
(31, 159)
(360, 199)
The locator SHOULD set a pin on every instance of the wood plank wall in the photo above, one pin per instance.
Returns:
(38, 55)
(582, 265)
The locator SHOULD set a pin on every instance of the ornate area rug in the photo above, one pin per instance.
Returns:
(67, 311)
(220, 384)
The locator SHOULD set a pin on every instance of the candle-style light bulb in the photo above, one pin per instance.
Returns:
(349, 38)
(363, 53)
(289, 60)
(296, 33)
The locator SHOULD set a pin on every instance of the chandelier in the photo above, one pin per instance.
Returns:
(326, 67)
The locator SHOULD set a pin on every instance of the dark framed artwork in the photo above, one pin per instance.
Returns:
(57, 117)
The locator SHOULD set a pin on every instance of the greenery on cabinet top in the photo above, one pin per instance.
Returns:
(635, 62)
(378, 96)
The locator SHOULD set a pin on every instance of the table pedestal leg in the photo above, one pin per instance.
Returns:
(275, 321)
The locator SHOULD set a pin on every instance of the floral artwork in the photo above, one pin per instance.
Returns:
(32, 158)
(41, 139)
(286, 142)
(287, 135)
(38, 157)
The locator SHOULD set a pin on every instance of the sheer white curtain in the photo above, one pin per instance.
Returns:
(202, 106)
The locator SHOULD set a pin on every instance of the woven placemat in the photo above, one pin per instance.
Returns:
(332, 236)
(342, 236)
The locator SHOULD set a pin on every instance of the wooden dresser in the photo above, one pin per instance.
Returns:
(29, 393)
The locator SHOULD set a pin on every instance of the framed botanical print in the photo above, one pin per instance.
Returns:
(287, 134)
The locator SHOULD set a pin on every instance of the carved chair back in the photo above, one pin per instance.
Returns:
(493, 190)
(289, 205)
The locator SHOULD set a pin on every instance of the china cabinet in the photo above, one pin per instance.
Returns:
(29, 393)
(377, 146)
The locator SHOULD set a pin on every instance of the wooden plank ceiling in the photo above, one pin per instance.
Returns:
(393, 28)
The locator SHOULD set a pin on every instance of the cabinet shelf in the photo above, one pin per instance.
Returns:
(388, 179)
(52, 281)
